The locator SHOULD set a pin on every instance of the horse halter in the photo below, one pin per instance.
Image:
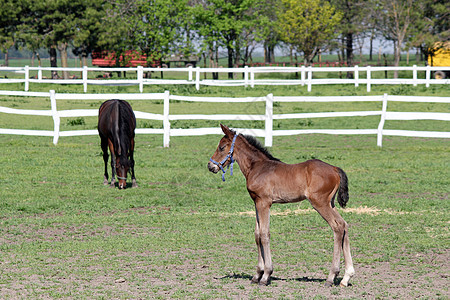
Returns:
(229, 156)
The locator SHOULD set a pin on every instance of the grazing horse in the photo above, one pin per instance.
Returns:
(116, 125)
(271, 181)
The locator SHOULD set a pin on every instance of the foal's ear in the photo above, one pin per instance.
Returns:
(227, 131)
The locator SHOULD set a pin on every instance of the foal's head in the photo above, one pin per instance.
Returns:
(122, 168)
(224, 152)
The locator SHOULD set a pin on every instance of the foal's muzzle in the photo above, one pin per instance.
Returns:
(213, 167)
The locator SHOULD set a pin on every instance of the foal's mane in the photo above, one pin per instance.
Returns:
(256, 144)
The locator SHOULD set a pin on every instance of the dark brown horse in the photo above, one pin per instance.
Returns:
(116, 125)
(271, 181)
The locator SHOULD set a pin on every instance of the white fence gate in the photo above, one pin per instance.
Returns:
(268, 132)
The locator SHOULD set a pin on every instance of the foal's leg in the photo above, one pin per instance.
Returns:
(349, 270)
(262, 237)
(340, 228)
(260, 267)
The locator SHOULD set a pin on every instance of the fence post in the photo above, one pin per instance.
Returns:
(269, 121)
(382, 119)
(55, 115)
(309, 78)
(166, 123)
(197, 78)
(190, 73)
(85, 78)
(27, 78)
(39, 73)
(140, 78)
(246, 76)
(369, 75)
(252, 77)
(427, 76)
(414, 75)
(356, 76)
(303, 75)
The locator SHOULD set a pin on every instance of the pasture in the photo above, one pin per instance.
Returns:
(183, 233)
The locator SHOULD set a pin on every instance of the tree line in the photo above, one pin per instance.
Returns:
(158, 28)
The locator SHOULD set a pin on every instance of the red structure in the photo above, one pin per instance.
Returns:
(131, 58)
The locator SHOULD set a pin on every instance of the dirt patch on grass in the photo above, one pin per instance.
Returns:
(203, 272)
(373, 211)
(207, 278)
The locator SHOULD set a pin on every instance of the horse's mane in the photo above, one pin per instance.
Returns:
(256, 144)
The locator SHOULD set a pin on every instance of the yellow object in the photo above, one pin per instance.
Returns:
(440, 57)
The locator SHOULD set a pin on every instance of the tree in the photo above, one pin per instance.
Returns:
(89, 29)
(432, 28)
(159, 28)
(224, 23)
(9, 21)
(266, 27)
(354, 16)
(55, 23)
(397, 22)
(308, 25)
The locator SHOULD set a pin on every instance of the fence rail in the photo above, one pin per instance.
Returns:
(268, 132)
(194, 76)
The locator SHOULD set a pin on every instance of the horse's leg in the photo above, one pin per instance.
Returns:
(113, 164)
(260, 267)
(339, 227)
(133, 178)
(104, 145)
(263, 220)
(349, 270)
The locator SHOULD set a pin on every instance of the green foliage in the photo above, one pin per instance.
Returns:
(76, 121)
(308, 25)
(159, 26)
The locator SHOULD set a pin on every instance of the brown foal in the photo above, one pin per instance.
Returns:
(271, 181)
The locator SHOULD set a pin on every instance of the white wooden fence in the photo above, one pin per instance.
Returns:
(247, 75)
(268, 133)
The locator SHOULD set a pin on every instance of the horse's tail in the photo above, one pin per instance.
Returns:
(342, 196)
(116, 129)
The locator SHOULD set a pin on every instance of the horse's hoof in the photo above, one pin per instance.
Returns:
(328, 284)
(134, 185)
(343, 284)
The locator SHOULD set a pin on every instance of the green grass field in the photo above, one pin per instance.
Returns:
(183, 233)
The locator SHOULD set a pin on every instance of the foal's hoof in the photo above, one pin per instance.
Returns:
(328, 284)
(255, 280)
(264, 282)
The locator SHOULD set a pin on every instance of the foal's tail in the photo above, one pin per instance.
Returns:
(342, 196)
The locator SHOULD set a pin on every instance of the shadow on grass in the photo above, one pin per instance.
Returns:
(300, 279)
